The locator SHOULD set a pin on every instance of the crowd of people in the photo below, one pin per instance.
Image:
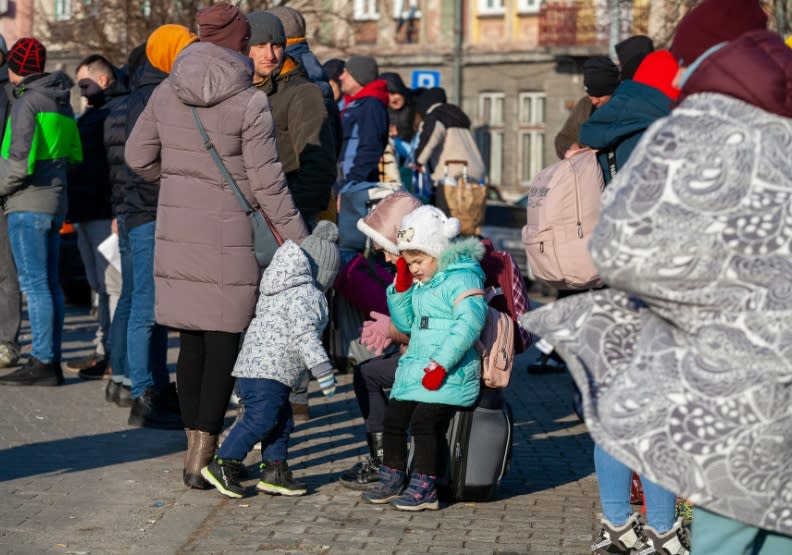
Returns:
(681, 362)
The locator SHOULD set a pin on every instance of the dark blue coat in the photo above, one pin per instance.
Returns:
(619, 124)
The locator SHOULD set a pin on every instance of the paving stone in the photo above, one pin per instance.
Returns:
(75, 475)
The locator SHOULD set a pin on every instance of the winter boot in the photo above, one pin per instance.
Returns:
(421, 494)
(390, 485)
(201, 454)
(276, 479)
(111, 391)
(35, 372)
(674, 542)
(224, 475)
(363, 475)
(187, 454)
(627, 539)
(124, 399)
(150, 411)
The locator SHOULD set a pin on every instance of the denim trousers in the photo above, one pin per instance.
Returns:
(35, 243)
(147, 341)
(715, 534)
(615, 478)
(90, 235)
(10, 296)
(119, 329)
(267, 418)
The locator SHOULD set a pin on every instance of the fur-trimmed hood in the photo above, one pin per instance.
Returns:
(462, 253)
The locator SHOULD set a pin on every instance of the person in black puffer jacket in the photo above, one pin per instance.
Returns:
(89, 193)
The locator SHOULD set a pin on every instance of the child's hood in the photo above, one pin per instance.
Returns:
(462, 254)
(289, 268)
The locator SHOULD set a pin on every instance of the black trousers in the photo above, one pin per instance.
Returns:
(203, 376)
(429, 422)
(370, 380)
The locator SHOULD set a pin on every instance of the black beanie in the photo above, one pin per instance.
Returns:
(266, 28)
(631, 53)
(363, 69)
(600, 76)
(428, 98)
(333, 68)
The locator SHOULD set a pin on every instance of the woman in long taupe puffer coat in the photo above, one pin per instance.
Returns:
(206, 274)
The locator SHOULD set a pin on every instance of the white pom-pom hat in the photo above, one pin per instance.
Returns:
(426, 229)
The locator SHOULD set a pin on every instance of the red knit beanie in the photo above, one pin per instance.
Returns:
(27, 56)
(658, 70)
(712, 22)
(224, 25)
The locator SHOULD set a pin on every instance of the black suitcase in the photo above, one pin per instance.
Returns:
(479, 448)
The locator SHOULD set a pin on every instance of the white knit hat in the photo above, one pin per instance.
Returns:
(428, 230)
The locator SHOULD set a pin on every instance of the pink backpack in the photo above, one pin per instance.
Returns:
(495, 344)
(563, 208)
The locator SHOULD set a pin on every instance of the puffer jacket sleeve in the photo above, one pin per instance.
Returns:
(469, 315)
(142, 151)
(306, 322)
(400, 308)
(264, 170)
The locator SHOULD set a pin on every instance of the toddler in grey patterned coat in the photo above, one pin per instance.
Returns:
(284, 338)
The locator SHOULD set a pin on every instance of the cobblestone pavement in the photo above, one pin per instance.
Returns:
(74, 478)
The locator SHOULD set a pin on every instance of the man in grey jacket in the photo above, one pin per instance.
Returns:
(42, 139)
(10, 297)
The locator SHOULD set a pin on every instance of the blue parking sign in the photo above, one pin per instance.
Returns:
(425, 78)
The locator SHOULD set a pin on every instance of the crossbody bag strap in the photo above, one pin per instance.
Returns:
(207, 142)
(612, 162)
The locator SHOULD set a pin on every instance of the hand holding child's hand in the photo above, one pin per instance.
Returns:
(404, 278)
(375, 335)
(327, 383)
(434, 376)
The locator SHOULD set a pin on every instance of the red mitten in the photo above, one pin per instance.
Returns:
(404, 278)
(434, 376)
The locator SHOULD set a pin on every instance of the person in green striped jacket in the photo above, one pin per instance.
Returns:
(40, 140)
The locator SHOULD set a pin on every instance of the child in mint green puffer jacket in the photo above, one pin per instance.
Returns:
(440, 371)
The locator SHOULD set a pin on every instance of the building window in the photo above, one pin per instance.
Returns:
(531, 119)
(405, 9)
(62, 10)
(365, 10)
(491, 114)
(491, 7)
(529, 6)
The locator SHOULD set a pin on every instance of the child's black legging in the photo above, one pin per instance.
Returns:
(371, 380)
(203, 377)
(429, 422)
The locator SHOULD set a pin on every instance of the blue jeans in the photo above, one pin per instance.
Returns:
(614, 479)
(267, 418)
(35, 244)
(118, 331)
(147, 341)
(714, 534)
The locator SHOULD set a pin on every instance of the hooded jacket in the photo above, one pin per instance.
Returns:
(619, 124)
(90, 187)
(442, 330)
(684, 363)
(40, 140)
(445, 135)
(205, 271)
(285, 337)
(304, 135)
(365, 129)
(139, 204)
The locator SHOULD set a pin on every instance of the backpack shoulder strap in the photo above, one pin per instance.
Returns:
(469, 293)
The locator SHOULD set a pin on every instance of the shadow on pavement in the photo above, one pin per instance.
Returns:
(80, 453)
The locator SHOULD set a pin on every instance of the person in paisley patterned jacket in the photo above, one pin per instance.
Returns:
(684, 361)
(284, 338)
